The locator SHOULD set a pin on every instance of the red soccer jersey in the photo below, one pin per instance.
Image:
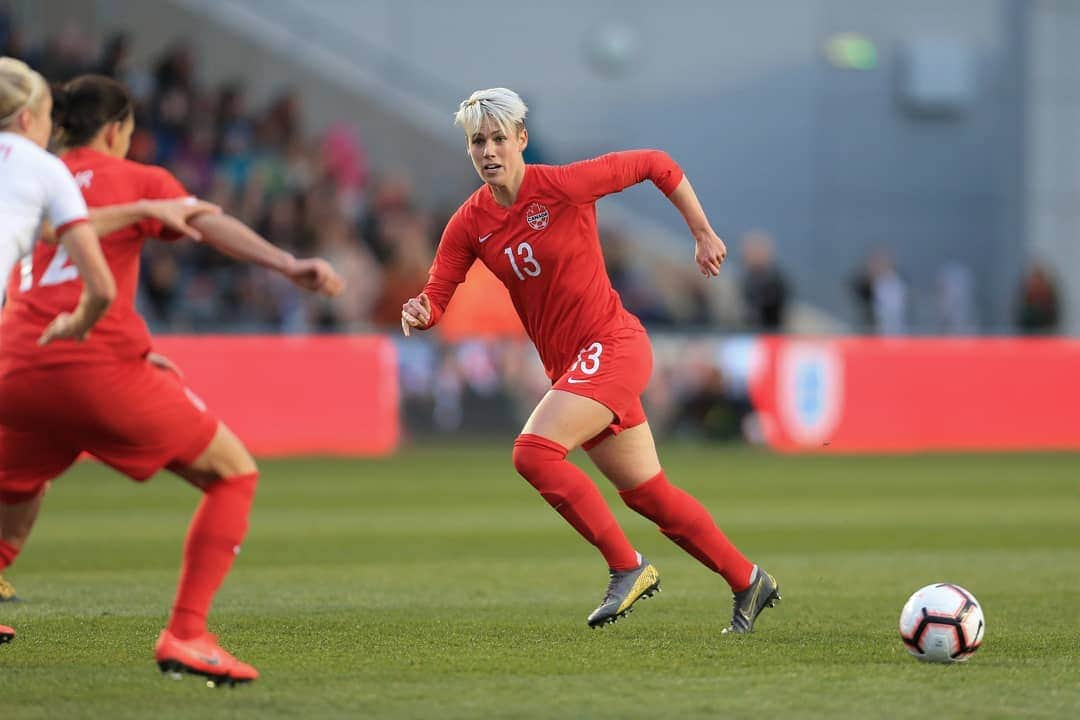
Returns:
(546, 250)
(46, 282)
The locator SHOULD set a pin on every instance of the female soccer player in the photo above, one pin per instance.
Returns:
(534, 226)
(109, 395)
(36, 187)
(40, 197)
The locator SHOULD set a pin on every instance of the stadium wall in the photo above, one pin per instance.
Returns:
(858, 395)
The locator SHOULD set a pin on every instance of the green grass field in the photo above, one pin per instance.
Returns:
(437, 584)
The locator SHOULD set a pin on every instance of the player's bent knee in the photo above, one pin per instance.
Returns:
(226, 456)
(532, 452)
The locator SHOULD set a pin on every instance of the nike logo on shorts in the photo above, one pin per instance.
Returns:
(483, 238)
(575, 381)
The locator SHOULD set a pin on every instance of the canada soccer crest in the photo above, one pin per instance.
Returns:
(537, 216)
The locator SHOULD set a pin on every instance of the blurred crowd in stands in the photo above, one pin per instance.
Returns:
(316, 194)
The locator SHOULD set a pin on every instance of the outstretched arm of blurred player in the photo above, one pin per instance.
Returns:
(710, 251)
(99, 288)
(173, 214)
(235, 239)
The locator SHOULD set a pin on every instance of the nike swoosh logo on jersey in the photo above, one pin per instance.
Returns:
(483, 238)
(575, 381)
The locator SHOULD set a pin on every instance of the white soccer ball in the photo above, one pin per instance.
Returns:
(942, 623)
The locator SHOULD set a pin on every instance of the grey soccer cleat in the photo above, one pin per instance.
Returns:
(624, 589)
(748, 604)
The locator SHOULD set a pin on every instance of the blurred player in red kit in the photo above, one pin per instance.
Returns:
(534, 227)
(110, 395)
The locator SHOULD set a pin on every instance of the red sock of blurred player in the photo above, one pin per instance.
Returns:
(8, 553)
(686, 521)
(213, 540)
(570, 491)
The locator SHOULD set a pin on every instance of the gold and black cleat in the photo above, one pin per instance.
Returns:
(624, 589)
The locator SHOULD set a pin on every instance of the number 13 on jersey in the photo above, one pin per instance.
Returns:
(528, 263)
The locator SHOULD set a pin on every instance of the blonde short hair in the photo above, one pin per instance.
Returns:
(20, 87)
(503, 106)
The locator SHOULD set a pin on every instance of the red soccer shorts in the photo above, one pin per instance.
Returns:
(131, 415)
(613, 370)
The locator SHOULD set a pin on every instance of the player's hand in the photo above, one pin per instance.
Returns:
(415, 313)
(160, 361)
(316, 275)
(174, 214)
(709, 253)
(65, 326)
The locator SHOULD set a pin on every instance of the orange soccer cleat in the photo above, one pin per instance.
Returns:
(6, 634)
(201, 656)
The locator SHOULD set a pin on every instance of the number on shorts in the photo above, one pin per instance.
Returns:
(588, 360)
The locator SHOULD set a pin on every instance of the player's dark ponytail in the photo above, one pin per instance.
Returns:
(86, 104)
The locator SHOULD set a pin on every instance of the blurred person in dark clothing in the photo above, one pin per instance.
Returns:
(639, 295)
(764, 286)
(1039, 309)
(881, 293)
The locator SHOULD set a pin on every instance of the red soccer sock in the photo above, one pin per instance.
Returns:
(686, 521)
(574, 496)
(8, 553)
(213, 540)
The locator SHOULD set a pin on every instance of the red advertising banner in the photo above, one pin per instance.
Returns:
(905, 395)
(295, 395)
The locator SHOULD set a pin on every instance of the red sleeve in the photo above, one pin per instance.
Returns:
(160, 184)
(589, 180)
(453, 259)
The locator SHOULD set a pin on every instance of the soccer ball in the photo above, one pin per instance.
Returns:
(942, 623)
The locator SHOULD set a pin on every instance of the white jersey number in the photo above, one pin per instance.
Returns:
(528, 262)
(588, 359)
(59, 271)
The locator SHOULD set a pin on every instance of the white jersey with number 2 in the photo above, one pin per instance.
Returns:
(34, 186)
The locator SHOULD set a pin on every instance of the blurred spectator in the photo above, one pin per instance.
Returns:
(1038, 309)
(405, 271)
(8, 39)
(882, 295)
(635, 284)
(67, 54)
(956, 299)
(764, 287)
(116, 57)
(345, 163)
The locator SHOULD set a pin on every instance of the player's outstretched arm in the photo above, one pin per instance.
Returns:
(173, 214)
(710, 251)
(99, 288)
(235, 239)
